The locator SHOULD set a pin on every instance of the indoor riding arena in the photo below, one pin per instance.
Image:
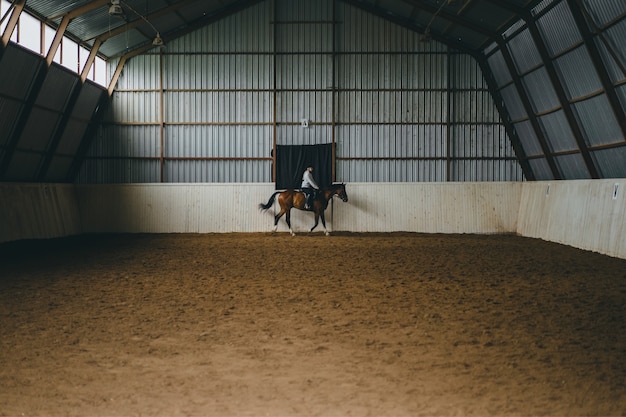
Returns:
(464, 253)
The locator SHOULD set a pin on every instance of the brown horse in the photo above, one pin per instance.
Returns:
(296, 199)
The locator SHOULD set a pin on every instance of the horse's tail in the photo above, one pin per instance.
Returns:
(269, 202)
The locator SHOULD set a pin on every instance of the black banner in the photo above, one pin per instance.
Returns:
(292, 160)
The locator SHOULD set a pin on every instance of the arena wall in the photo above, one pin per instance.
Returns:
(588, 214)
(38, 211)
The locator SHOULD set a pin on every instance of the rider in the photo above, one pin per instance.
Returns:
(309, 186)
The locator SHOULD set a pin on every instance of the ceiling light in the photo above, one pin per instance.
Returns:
(116, 9)
(158, 40)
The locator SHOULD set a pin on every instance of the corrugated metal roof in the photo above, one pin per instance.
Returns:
(468, 25)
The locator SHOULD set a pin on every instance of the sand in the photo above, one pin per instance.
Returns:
(394, 324)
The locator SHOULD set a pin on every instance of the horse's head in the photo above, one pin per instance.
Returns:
(340, 190)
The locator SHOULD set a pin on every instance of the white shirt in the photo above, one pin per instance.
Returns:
(308, 181)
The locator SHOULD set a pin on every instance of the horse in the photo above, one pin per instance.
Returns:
(289, 199)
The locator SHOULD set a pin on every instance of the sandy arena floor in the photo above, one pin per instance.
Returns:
(347, 325)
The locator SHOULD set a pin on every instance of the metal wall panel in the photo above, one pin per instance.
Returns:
(143, 74)
(126, 142)
(138, 107)
(513, 102)
(572, 166)
(10, 111)
(18, 68)
(598, 121)
(524, 52)
(388, 101)
(499, 69)
(541, 169)
(244, 141)
(613, 67)
(200, 72)
(613, 38)
(528, 138)
(611, 162)
(558, 132)
(220, 171)
(604, 11)
(577, 73)
(558, 28)
(541, 91)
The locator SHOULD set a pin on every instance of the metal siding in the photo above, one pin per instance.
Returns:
(578, 73)
(37, 132)
(598, 121)
(572, 166)
(23, 166)
(18, 68)
(499, 69)
(541, 91)
(135, 107)
(59, 167)
(513, 102)
(604, 11)
(541, 169)
(390, 93)
(528, 138)
(613, 68)
(10, 109)
(558, 132)
(611, 162)
(56, 88)
(615, 36)
(559, 29)
(524, 51)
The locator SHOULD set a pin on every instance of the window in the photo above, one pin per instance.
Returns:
(70, 54)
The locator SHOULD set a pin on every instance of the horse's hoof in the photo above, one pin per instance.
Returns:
(327, 233)
(292, 233)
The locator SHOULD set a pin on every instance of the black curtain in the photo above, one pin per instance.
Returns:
(292, 160)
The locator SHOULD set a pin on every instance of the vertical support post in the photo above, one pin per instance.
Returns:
(275, 95)
(161, 119)
(334, 95)
(449, 111)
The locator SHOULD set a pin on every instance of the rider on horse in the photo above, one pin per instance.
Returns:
(309, 187)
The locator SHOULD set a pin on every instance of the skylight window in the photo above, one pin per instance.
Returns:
(70, 54)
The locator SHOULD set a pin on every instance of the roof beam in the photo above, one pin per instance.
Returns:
(562, 96)
(532, 118)
(506, 120)
(18, 6)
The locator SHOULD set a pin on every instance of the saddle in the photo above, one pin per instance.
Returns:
(309, 195)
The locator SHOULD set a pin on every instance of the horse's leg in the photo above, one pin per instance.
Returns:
(276, 218)
(288, 220)
(317, 218)
(326, 232)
